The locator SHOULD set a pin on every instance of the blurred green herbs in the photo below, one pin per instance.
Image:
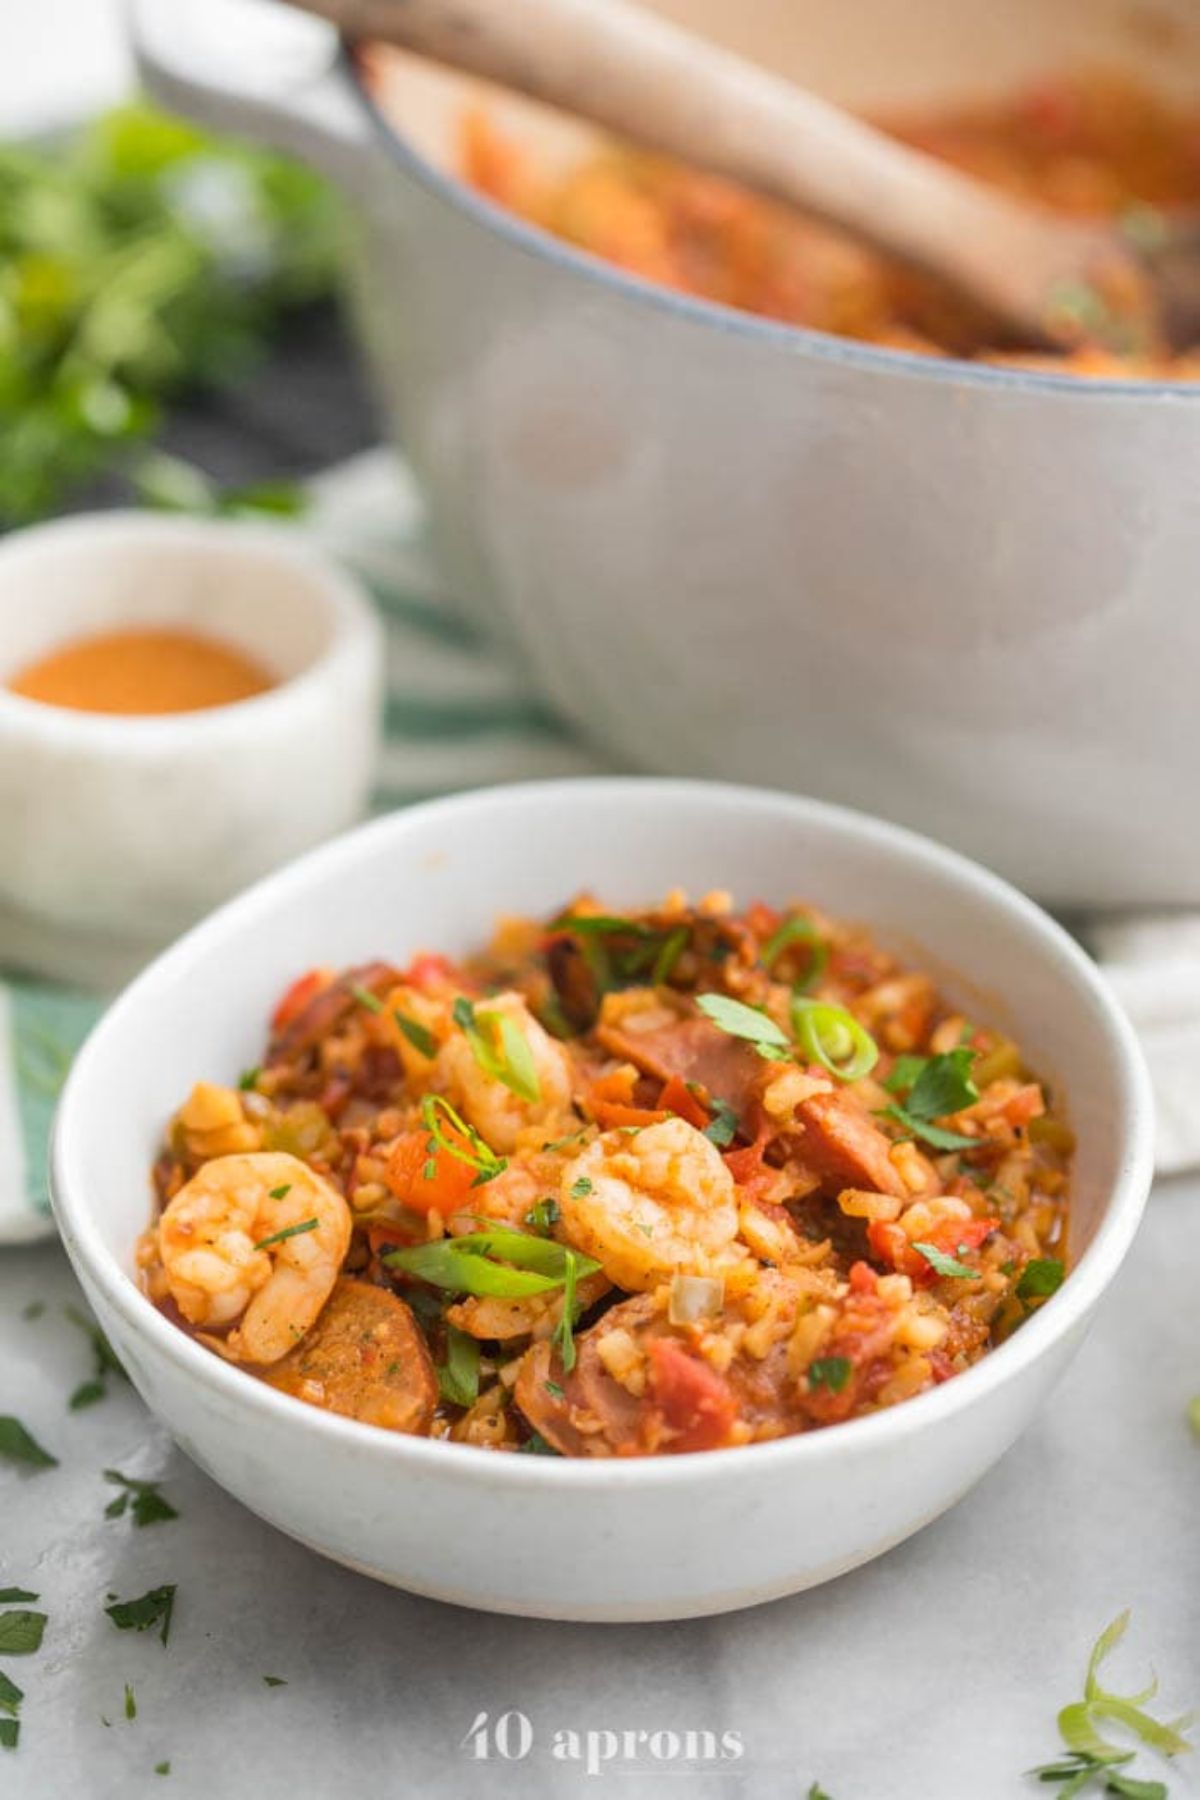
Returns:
(138, 259)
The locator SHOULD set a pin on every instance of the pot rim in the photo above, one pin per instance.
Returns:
(822, 346)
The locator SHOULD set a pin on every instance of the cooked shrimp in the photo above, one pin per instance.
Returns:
(222, 1267)
(496, 1112)
(652, 1205)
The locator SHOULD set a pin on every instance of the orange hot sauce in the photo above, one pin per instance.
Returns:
(142, 671)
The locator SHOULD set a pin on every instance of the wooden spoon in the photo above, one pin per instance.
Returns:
(1053, 280)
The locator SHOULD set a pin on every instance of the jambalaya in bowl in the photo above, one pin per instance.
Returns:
(623, 1184)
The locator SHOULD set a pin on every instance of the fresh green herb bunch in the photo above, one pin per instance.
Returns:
(140, 258)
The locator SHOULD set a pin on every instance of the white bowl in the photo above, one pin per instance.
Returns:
(122, 831)
(654, 1539)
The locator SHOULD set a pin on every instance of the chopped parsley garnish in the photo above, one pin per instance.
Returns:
(1090, 1760)
(831, 1372)
(722, 1128)
(366, 998)
(581, 1188)
(543, 1214)
(21, 1632)
(500, 1048)
(11, 1696)
(143, 1614)
(87, 1394)
(458, 1376)
(143, 1499)
(1040, 1278)
(289, 1231)
(9, 1595)
(281, 1193)
(107, 1362)
(817, 1792)
(10, 1732)
(19, 1446)
(937, 1087)
(274, 1681)
(749, 1023)
(34, 1310)
(943, 1264)
(554, 1390)
(248, 1079)
(466, 1144)
(162, 1768)
(418, 1035)
(130, 1703)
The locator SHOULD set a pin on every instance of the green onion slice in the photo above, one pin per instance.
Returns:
(474, 1152)
(798, 929)
(458, 1376)
(834, 1038)
(500, 1048)
(499, 1261)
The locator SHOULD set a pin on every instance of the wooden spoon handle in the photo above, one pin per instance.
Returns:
(636, 74)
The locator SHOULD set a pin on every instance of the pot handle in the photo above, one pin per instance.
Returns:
(258, 69)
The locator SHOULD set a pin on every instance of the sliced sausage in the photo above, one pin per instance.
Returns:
(366, 1358)
(692, 1048)
(843, 1144)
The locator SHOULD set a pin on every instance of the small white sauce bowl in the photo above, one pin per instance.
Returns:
(656, 1538)
(118, 831)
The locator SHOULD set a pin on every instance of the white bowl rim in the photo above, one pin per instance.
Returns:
(1066, 1310)
(823, 345)
(350, 616)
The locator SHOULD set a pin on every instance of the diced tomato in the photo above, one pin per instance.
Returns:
(762, 919)
(429, 973)
(747, 1167)
(863, 1279)
(696, 1403)
(890, 1245)
(425, 1176)
(1027, 1103)
(297, 997)
(610, 1101)
(677, 1097)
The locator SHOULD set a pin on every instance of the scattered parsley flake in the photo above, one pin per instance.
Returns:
(274, 1681)
(554, 1390)
(87, 1394)
(749, 1023)
(366, 998)
(722, 1128)
(10, 1731)
(248, 1079)
(832, 1372)
(8, 1595)
(536, 1445)
(143, 1614)
(130, 1703)
(162, 1768)
(544, 1214)
(581, 1189)
(11, 1696)
(34, 1310)
(21, 1632)
(946, 1265)
(1040, 1278)
(18, 1446)
(147, 1504)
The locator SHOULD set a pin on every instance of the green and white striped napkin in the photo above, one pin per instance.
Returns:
(458, 716)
